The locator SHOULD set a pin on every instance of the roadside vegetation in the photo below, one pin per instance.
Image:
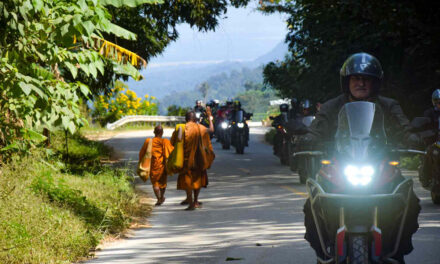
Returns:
(55, 208)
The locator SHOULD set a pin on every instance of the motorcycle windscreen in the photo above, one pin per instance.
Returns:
(307, 120)
(239, 116)
(361, 132)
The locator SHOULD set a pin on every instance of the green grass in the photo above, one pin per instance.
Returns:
(55, 212)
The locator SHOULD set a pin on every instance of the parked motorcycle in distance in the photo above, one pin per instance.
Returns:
(359, 200)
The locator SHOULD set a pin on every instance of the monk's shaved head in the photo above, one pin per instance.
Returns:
(190, 116)
(158, 130)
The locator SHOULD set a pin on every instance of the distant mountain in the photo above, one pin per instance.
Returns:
(172, 78)
(277, 53)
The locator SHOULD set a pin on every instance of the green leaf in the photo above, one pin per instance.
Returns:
(72, 127)
(93, 70)
(85, 68)
(65, 29)
(72, 68)
(65, 121)
(89, 27)
(33, 136)
(13, 145)
(129, 3)
(120, 32)
(84, 89)
(25, 87)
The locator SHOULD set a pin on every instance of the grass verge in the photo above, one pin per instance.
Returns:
(52, 211)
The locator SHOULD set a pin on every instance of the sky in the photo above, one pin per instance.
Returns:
(243, 34)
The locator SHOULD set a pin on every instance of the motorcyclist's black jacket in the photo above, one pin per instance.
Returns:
(434, 115)
(323, 128)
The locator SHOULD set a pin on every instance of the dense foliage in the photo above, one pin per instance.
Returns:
(403, 35)
(121, 102)
(43, 41)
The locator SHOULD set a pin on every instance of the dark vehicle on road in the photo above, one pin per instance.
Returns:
(281, 138)
(359, 200)
(224, 133)
(429, 171)
(299, 161)
(239, 131)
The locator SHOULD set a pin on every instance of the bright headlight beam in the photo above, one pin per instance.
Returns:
(357, 176)
(240, 125)
(224, 125)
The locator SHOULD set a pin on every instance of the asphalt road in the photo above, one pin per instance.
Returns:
(252, 213)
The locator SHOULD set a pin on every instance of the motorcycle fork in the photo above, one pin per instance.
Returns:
(376, 249)
(341, 245)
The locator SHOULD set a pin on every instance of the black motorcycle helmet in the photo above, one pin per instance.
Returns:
(435, 97)
(284, 108)
(361, 64)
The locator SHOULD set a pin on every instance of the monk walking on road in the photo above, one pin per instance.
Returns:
(161, 150)
(193, 176)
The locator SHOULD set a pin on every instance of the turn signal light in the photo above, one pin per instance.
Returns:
(393, 163)
(326, 162)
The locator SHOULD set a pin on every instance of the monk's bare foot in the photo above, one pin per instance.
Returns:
(158, 203)
(198, 204)
(162, 200)
(184, 202)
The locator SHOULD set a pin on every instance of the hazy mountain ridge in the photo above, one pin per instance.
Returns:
(179, 80)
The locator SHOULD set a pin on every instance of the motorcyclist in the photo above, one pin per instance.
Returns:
(293, 108)
(281, 119)
(200, 113)
(236, 108)
(430, 160)
(360, 78)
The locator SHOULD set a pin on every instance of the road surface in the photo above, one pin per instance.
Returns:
(252, 213)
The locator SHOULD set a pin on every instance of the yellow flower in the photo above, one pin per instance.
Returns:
(153, 98)
(147, 103)
(146, 96)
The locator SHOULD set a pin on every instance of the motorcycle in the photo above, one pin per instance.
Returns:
(281, 148)
(359, 200)
(431, 181)
(239, 132)
(224, 134)
(302, 162)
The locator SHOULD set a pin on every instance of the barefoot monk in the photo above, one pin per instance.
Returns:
(193, 176)
(161, 150)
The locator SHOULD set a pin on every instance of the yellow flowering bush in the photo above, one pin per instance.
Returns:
(122, 102)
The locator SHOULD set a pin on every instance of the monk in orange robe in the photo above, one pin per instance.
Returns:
(192, 179)
(161, 150)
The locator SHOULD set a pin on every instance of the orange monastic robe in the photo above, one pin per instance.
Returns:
(192, 179)
(161, 150)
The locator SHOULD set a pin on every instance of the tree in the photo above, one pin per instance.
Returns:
(403, 35)
(44, 46)
(204, 89)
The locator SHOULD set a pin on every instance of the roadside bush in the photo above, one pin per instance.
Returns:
(410, 163)
(269, 136)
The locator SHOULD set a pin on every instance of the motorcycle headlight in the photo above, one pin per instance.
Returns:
(240, 125)
(356, 175)
(224, 125)
(198, 115)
